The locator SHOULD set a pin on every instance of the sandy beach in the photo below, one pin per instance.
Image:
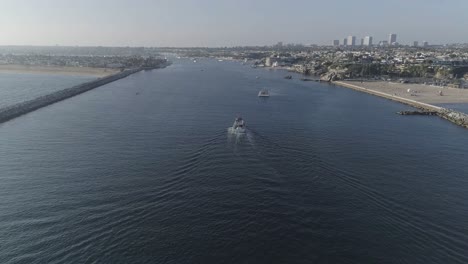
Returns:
(418, 92)
(76, 71)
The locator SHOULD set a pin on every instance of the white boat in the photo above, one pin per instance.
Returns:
(263, 93)
(238, 127)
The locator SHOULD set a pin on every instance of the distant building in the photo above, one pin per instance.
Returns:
(362, 42)
(368, 41)
(383, 43)
(425, 44)
(279, 44)
(336, 42)
(392, 38)
(268, 62)
(415, 44)
(345, 42)
(351, 41)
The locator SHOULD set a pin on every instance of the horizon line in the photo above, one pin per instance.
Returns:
(194, 47)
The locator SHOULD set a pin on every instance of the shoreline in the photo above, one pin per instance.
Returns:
(410, 102)
(58, 70)
(453, 116)
(417, 92)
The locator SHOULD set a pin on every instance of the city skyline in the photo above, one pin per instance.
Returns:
(392, 40)
(210, 23)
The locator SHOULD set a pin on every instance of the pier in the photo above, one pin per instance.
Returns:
(10, 112)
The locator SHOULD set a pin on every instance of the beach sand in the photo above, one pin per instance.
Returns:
(419, 92)
(76, 71)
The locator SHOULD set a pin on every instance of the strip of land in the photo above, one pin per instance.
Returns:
(418, 92)
(13, 111)
(19, 109)
(421, 99)
(65, 70)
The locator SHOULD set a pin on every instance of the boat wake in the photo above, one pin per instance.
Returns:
(240, 138)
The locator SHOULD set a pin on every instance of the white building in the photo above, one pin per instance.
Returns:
(367, 41)
(351, 41)
(392, 38)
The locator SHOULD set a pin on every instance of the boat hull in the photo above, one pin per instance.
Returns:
(236, 130)
(263, 93)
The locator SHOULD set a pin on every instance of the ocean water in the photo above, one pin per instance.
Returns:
(143, 170)
(20, 87)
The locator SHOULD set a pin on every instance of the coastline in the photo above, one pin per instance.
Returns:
(411, 102)
(453, 116)
(418, 92)
(61, 70)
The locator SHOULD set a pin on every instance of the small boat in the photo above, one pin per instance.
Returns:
(263, 93)
(220, 60)
(289, 77)
(238, 127)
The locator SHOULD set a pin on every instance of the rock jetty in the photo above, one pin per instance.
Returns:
(22, 108)
(451, 115)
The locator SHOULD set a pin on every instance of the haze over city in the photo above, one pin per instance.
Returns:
(214, 23)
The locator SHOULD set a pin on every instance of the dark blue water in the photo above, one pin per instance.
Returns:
(143, 171)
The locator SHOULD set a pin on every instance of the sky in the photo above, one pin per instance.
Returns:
(219, 23)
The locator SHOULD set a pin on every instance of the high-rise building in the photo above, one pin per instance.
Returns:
(367, 41)
(362, 42)
(425, 44)
(345, 42)
(415, 43)
(392, 38)
(336, 42)
(351, 41)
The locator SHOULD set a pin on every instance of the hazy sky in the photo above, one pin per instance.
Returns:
(227, 22)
